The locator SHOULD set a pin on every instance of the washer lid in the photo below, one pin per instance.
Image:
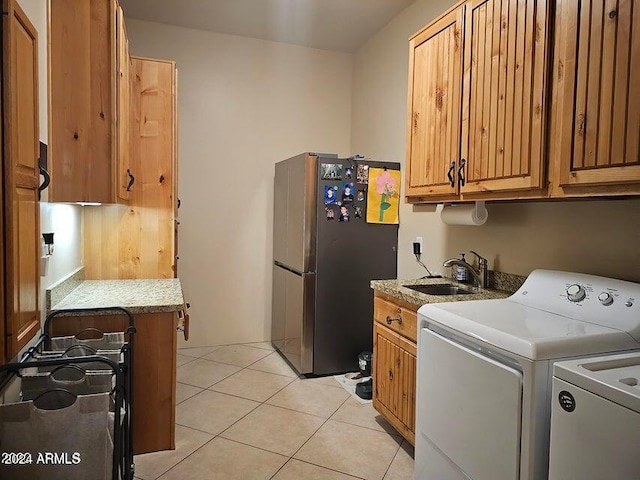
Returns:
(589, 298)
(615, 377)
(526, 331)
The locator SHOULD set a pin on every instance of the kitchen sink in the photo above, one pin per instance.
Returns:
(440, 289)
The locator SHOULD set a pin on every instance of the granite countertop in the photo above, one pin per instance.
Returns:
(139, 296)
(396, 289)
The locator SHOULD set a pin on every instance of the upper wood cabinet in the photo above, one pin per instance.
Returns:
(596, 122)
(89, 94)
(21, 212)
(477, 101)
(504, 96)
(124, 175)
(142, 237)
(435, 87)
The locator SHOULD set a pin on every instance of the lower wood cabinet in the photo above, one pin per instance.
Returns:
(20, 209)
(154, 366)
(394, 363)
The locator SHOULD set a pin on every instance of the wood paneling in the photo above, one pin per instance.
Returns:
(154, 372)
(82, 120)
(504, 100)
(433, 128)
(21, 177)
(138, 241)
(395, 379)
(597, 95)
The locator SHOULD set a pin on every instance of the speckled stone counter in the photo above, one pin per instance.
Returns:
(139, 296)
(396, 289)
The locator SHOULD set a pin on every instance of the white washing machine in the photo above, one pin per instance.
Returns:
(483, 406)
(595, 419)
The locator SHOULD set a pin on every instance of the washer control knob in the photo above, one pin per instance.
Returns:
(576, 293)
(628, 303)
(605, 298)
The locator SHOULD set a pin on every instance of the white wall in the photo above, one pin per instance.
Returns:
(244, 104)
(600, 237)
(64, 220)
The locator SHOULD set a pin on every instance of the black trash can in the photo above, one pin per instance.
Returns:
(364, 360)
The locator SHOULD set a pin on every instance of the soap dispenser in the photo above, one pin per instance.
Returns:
(461, 272)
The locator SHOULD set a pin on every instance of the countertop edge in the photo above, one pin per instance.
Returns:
(90, 294)
(395, 288)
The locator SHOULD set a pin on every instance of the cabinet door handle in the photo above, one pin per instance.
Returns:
(183, 323)
(391, 375)
(391, 320)
(452, 181)
(463, 162)
(132, 180)
(45, 182)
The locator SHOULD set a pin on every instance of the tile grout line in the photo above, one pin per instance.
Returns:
(394, 457)
(260, 403)
(197, 449)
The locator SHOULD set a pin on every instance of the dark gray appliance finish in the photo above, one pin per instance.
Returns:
(322, 304)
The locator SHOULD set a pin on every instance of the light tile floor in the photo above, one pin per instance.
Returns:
(243, 413)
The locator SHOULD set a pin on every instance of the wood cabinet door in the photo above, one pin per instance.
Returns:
(124, 175)
(598, 92)
(82, 100)
(433, 127)
(394, 379)
(504, 105)
(21, 177)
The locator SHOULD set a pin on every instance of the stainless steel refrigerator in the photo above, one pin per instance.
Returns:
(322, 310)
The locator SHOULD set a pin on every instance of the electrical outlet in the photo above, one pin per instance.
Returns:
(418, 240)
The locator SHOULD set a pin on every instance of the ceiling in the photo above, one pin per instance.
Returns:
(338, 25)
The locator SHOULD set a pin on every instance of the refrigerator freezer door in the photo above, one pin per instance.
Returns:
(294, 213)
(292, 316)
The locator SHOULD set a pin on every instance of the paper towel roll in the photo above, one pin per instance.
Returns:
(475, 214)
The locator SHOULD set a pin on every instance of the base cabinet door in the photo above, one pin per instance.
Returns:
(394, 379)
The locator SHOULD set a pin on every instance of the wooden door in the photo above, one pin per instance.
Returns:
(21, 177)
(82, 100)
(433, 127)
(504, 105)
(394, 378)
(598, 97)
(124, 174)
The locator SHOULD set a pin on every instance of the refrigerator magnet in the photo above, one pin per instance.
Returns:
(331, 171)
(347, 192)
(330, 194)
(329, 212)
(362, 175)
(357, 212)
(360, 195)
(344, 214)
(348, 173)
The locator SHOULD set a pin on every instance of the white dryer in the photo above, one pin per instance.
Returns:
(595, 419)
(484, 377)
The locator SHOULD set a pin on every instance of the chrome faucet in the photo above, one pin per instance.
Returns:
(481, 276)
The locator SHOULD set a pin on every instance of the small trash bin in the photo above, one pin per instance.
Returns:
(364, 360)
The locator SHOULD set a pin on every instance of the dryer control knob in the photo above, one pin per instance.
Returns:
(605, 298)
(576, 293)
